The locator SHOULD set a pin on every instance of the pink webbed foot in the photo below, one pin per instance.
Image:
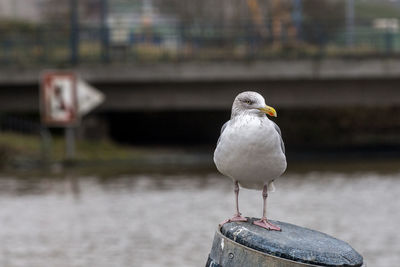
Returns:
(237, 218)
(264, 223)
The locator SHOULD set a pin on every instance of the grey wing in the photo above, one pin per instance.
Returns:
(222, 130)
(280, 135)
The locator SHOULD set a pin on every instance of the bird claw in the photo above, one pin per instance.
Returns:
(237, 218)
(264, 223)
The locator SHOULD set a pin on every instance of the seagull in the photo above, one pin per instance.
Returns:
(250, 151)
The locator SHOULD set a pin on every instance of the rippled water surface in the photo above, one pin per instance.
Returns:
(158, 220)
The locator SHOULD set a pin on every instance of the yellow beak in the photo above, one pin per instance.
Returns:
(269, 110)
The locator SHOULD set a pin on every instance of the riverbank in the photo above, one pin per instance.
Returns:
(25, 153)
(19, 152)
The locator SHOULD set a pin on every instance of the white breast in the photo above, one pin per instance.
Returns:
(250, 151)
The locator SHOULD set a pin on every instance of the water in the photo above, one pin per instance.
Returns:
(158, 220)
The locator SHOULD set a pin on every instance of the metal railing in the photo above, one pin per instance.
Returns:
(51, 45)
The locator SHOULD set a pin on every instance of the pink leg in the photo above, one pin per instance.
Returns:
(238, 216)
(264, 221)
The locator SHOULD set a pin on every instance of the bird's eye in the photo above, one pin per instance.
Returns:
(249, 102)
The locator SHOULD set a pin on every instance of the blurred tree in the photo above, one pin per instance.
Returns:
(282, 27)
(268, 19)
(223, 12)
(55, 11)
(322, 19)
(58, 11)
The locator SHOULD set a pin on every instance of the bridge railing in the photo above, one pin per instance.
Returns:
(51, 44)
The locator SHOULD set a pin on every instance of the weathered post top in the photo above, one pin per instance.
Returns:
(245, 244)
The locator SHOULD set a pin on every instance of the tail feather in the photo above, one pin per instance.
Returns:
(271, 187)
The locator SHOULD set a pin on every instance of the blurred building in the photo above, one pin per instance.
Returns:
(21, 9)
(136, 22)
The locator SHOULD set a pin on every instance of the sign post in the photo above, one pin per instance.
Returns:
(70, 142)
(64, 99)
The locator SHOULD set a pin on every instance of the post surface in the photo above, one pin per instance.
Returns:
(245, 244)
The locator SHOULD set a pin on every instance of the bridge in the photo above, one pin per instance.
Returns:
(212, 85)
(329, 83)
(322, 102)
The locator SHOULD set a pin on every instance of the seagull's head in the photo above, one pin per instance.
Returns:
(251, 103)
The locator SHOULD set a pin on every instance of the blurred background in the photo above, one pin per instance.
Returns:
(137, 185)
